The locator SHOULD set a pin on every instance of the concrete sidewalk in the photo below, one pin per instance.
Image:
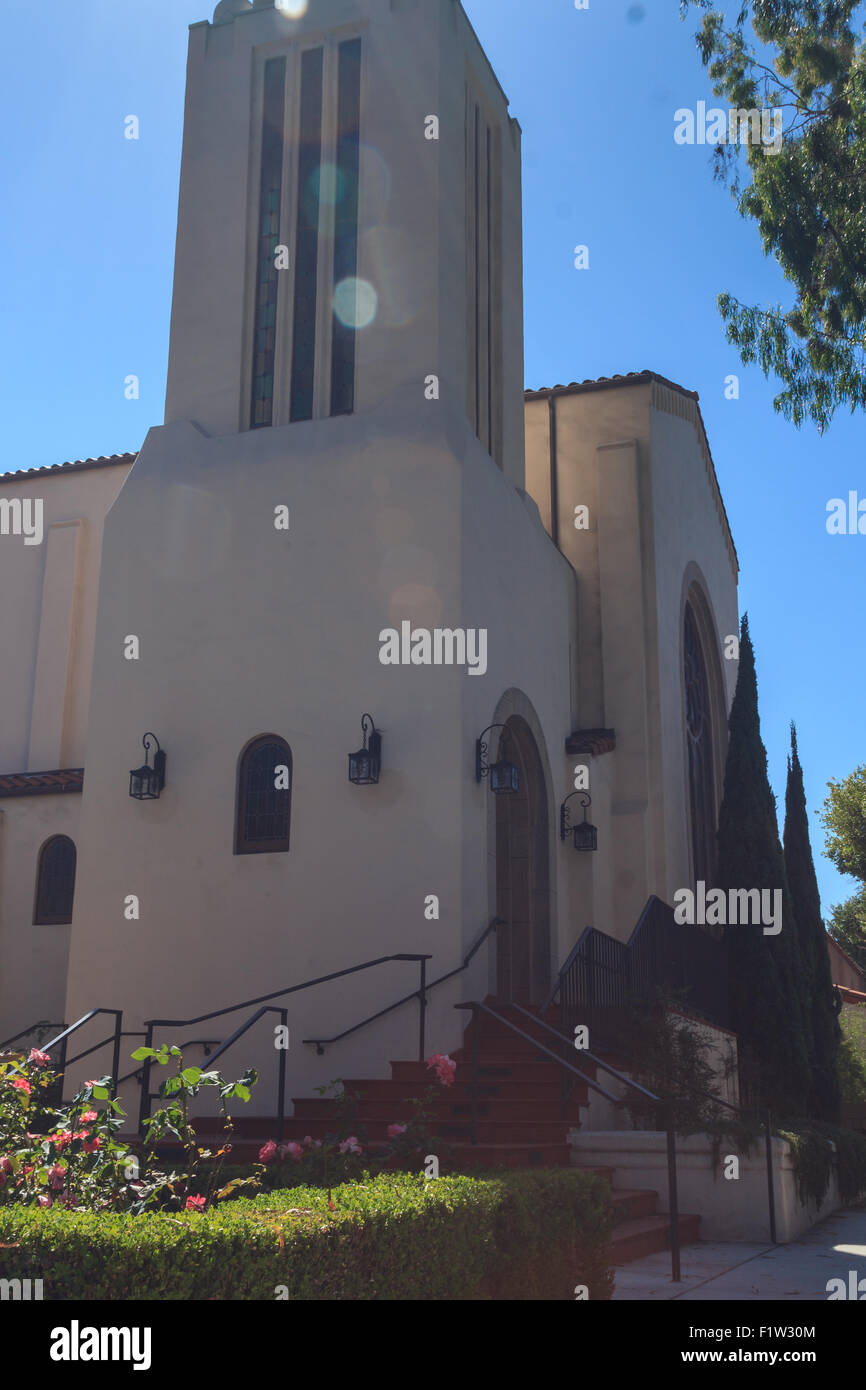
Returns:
(713, 1271)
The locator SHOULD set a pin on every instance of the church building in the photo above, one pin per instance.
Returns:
(370, 662)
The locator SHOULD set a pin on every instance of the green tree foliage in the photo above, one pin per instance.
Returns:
(764, 971)
(852, 1055)
(844, 819)
(808, 199)
(848, 927)
(816, 983)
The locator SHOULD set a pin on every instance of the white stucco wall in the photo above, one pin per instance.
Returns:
(633, 453)
(245, 630)
(730, 1209)
(47, 621)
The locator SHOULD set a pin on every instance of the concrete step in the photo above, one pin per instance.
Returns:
(647, 1235)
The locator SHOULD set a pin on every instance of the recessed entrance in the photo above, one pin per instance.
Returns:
(522, 873)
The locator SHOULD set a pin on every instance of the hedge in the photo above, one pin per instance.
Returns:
(517, 1235)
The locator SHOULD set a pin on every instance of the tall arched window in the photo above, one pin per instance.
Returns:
(699, 736)
(264, 801)
(55, 882)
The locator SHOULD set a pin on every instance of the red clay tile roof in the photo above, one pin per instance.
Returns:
(79, 466)
(602, 382)
(70, 779)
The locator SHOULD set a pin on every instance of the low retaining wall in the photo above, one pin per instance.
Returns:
(729, 1208)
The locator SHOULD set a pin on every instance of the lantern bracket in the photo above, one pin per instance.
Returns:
(564, 813)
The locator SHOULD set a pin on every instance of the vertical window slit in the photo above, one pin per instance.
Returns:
(346, 228)
(307, 236)
(267, 275)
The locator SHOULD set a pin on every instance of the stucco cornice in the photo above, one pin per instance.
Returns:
(593, 742)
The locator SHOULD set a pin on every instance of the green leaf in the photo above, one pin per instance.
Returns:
(191, 1075)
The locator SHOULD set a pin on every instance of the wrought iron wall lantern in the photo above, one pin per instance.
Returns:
(366, 764)
(504, 776)
(146, 783)
(585, 834)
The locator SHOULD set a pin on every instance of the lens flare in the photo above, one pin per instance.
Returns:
(293, 9)
(355, 302)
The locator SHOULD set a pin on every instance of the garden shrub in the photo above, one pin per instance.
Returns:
(516, 1235)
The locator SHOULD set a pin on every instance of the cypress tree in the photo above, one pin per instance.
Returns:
(816, 985)
(766, 1008)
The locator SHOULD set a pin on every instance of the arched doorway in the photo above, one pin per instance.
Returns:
(522, 873)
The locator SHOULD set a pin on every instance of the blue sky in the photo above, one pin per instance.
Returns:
(87, 244)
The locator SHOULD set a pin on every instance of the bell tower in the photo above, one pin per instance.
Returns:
(349, 230)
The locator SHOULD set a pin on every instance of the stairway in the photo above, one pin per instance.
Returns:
(520, 1123)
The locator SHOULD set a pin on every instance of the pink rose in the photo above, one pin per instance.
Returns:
(89, 1116)
(394, 1130)
(61, 1138)
(444, 1068)
(293, 1151)
(196, 1203)
(5, 1165)
(91, 1083)
(45, 1200)
(57, 1177)
(267, 1152)
(21, 1085)
(40, 1058)
(351, 1145)
(91, 1145)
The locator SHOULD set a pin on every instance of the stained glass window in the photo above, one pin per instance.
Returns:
(267, 274)
(346, 231)
(307, 236)
(55, 882)
(264, 804)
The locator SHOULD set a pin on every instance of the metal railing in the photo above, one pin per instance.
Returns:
(321, 1043)
(62, 1040)
(673, 1198)
(25, 1032)
(603, 976)
(761, 1114)
(152, 1024)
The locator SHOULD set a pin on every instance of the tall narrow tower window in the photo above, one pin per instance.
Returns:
(483, 275)
(699, 733)
(307, 236)
(267, 275)
(346, 228)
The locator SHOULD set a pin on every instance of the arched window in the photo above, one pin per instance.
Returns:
(55, 882)
(264, 802)
(699, 736)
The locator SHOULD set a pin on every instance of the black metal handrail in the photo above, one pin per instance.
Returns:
(673, 1200)
(152, 1023)
(763, 1114)
(144, 1071)
(321, 1043)
(65, 1060)
(602, 972)
(43, 1023)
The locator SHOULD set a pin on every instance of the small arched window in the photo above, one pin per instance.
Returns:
(264, 802)
(699, 735)
(55, 882)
